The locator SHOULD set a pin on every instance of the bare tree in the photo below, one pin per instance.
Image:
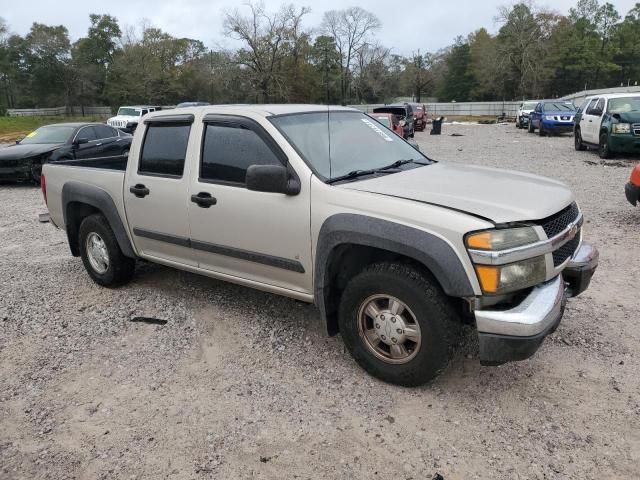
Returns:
(268, 38)
(351, 29)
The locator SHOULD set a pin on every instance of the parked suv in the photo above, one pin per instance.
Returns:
(552, 116)
(128, 118)
(325, 205)
(419, 116)
(524, 110)
(610, 123)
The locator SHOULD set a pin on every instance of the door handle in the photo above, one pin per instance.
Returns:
(139, 190)
(204, 199)
(590, 121)
(98, 144)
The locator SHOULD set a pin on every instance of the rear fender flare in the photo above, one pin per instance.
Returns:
(80, 193)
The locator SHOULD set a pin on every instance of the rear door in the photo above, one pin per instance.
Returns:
(108, 136)
(155, 190)
(256, 236)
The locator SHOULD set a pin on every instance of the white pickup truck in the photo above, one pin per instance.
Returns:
(325, 205)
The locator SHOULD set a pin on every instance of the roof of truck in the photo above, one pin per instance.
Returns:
(265, 110)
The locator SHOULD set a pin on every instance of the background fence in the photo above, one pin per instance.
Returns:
(59, 111)
(467, 109)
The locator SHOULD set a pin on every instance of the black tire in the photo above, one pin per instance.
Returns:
(120, 268)
(518, 123)
(577, 140)
(530, 128)
(439, 325)
(541, 130)
(603, 147)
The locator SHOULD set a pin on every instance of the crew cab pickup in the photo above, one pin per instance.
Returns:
(325, 205)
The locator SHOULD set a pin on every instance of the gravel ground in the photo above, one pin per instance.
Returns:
(85, 393)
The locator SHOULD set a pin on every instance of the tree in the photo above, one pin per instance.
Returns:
(268, 38)
(485, 66)
(350, 29)
(418, 75)
(458, 81)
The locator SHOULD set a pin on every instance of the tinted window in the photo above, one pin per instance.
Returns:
(87, 132)
(600, 106)
(164, 149)
(229, 150)
(102, 131)
(591, 106)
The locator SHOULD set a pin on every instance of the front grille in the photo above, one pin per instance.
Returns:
(566, 251)
(636, 128)
(556, 223)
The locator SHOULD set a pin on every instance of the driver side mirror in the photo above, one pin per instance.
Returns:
(19, 139)
(271, 179)
(79, 141)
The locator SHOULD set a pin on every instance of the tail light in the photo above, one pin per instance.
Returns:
(635, 176)
(43, 187)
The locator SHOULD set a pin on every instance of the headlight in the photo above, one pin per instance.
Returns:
(549, 117)
(497, 279)
(502, 239)
(621, 128)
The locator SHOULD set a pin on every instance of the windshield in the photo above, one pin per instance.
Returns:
(50, 134)
(558, 107)
(529, 106)
(358, 142)
(624, 105)
(128, 112)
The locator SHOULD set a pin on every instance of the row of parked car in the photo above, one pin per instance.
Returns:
(609, 122)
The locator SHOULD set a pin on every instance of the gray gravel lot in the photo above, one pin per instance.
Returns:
(244, 384)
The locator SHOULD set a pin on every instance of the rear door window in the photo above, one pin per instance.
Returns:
(164, 149)
(88, 133)
(102, 131)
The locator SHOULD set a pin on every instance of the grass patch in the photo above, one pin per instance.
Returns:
(15, 127)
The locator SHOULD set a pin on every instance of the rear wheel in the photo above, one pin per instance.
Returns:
(577, 140)
(603, 147)
(101, 254)
(397, 324)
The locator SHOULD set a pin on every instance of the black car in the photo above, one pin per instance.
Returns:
(403, 114)
(60, 141)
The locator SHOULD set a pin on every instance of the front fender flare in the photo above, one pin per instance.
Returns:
(433, 252)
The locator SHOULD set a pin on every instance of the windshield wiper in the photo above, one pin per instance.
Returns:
(372, 171)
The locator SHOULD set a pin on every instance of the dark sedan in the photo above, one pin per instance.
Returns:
(61, 141)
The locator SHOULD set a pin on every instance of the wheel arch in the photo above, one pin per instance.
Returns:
(349, 242)
(79, 201)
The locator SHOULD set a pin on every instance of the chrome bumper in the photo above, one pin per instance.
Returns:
(516, 333)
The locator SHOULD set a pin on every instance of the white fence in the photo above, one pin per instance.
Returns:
(578, 98)
(467, 109)
(59, 111)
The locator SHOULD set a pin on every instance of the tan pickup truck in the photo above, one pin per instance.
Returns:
(326, 205)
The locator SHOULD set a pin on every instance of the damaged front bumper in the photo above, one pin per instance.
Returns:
(516, 333)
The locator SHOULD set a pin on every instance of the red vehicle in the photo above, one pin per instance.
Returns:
(390, 121)
(419, 116)
(632, 189)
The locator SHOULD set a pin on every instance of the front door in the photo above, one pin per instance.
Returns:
(92, 148)
(256, 236)
(155, 191)
(589, 124)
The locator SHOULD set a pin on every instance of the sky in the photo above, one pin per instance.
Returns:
(427, 25)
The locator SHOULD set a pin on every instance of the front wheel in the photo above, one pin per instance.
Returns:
(603, 147)
(518, 124)
(541, 130)
(101, 255)
(36, 173)
(530, 129)
(397, 324)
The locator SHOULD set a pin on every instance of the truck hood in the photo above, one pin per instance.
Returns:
(629, 117)
(19, 152)
(498, 195)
